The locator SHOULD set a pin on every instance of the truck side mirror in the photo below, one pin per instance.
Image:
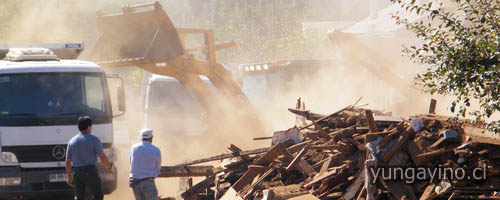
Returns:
(122, 103)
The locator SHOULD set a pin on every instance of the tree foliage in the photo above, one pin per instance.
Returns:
(460, 44)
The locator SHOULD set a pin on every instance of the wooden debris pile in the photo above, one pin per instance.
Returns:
(331, 158)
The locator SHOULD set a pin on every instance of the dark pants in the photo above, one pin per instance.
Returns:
(87, 178)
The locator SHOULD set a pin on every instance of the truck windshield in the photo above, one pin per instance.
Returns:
(52, 97)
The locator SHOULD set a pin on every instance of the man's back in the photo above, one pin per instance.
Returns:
(145, 160)
(83, 149)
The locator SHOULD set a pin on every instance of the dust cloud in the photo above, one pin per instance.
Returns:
(328, 90)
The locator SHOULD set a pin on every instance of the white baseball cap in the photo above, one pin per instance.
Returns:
(146, 133)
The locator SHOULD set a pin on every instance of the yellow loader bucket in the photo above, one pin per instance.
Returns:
(136, 37)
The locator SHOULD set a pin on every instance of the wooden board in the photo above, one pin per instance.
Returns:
(371, 121)
(199, 186)
(353, 189)
(247, 178)
(305, 197)
(231, 194)
(481, 135)
(272, 154)
(296, 160)
(185, 171)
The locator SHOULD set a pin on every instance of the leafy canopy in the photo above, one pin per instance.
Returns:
(460, 44)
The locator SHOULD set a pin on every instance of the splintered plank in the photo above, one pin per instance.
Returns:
(339, 148)
(185, 171)
(228, 155)
(270, 155)
(326, 117)
(305, 168)
(297, 147)
(326, 165)
(429, 193)
(233, 148)
(353, 189)
(305, 197)
(414, 151)
(326, 175)
(429, 156)
(371, 121)
(199, 187)
(247, 178)
(249, 189)
(432, 106)
(286, 192)
(321, 132)
(395, 188)
(231, 194)
(296, 160)
(403, 138)
(343, 133)
(481, 135)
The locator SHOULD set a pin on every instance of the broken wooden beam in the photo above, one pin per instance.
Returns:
(185, 171)
(270, 155)
(304, 197)
(326, 117)
(228, 155)
(288, 191)
(231, 194)
(326, 175)
(481, 135)
(432, 106)
(246, 179)
(199, 186)
(248, 190)
(429, 193)
(401, 141)
(325, 165)
(339, 148)
(296, 160)
(354, 188)
(371, 121)
(233, 148)
(429, 156)
(321, 132)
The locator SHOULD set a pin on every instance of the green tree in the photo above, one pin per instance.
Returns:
(460, 44)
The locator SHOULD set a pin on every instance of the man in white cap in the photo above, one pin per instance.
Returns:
(145, 161)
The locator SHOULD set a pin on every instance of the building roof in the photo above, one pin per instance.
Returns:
(383, 25)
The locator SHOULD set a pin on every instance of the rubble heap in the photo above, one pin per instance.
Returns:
(334, 157)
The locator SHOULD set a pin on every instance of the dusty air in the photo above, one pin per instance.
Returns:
(249, 100)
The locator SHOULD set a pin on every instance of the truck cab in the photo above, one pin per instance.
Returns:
(42, 97)
(170, 108)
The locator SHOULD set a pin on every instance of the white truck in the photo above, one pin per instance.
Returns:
(170, 108)
(43, 91)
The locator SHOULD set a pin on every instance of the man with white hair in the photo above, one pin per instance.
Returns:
(145, 161)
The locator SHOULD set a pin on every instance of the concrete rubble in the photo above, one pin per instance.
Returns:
(331, 157)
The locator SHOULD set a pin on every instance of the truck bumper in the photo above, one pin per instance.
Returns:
(36, 182)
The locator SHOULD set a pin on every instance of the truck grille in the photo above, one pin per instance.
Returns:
(39, 153)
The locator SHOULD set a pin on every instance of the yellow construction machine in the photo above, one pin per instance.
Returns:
(144, 36)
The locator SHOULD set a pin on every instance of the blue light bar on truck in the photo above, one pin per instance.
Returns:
(61, 50)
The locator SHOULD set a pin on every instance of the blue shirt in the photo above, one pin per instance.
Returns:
(83, 149)
(145, 160)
